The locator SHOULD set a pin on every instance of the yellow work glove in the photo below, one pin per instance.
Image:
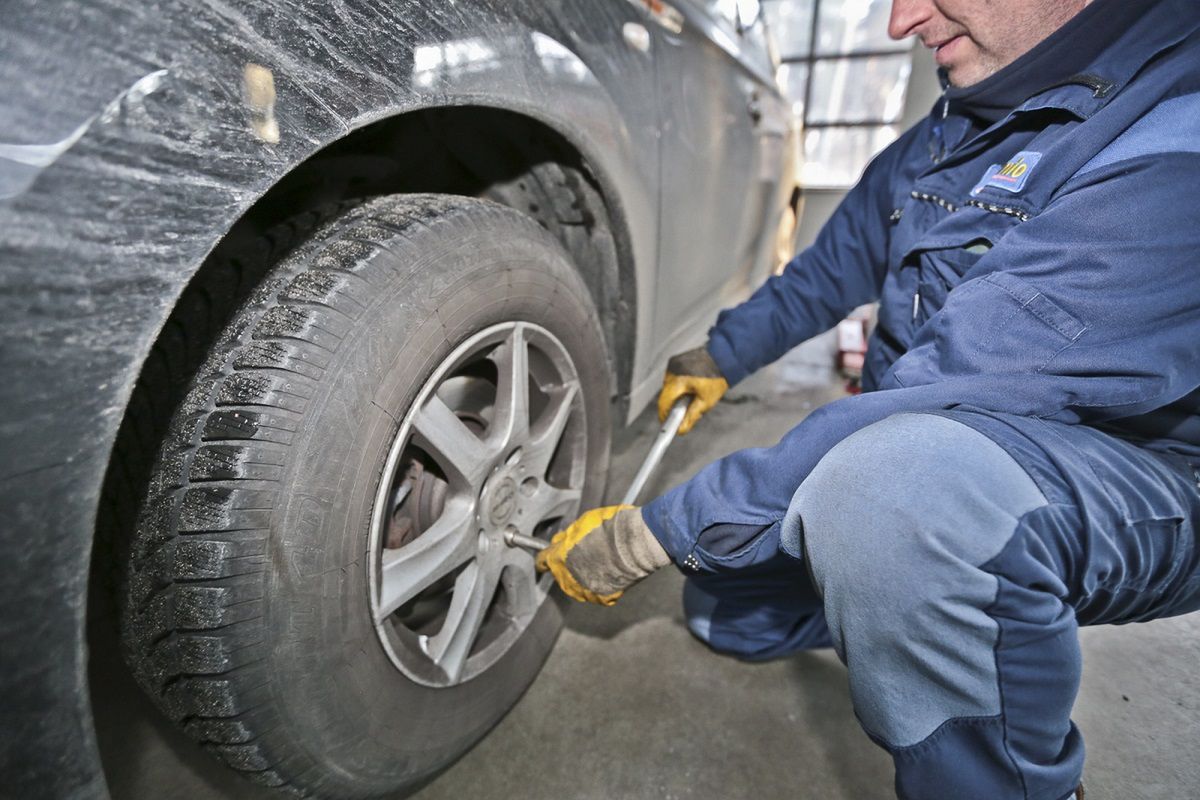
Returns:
(602, 554)
(694, 373)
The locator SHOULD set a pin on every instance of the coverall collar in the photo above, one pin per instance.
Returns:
(1161, 25)
(1059, 60)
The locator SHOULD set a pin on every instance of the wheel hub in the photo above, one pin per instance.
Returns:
(500, 499)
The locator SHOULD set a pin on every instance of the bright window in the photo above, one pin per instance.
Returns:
(846, 81)
(738, 13)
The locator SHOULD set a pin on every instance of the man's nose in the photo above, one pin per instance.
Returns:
(907, 16)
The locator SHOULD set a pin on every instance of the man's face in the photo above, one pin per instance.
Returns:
(972, 39)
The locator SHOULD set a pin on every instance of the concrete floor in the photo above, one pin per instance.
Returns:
(630, 706)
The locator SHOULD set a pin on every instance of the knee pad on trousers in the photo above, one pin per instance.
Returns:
(897, 519)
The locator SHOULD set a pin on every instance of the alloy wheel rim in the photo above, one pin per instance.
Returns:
(494, 441)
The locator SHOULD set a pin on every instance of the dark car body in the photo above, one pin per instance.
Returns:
(136, 139)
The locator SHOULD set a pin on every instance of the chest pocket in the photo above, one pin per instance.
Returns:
(940, 257)
(939, 271)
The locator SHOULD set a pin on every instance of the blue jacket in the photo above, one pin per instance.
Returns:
(1046, 267)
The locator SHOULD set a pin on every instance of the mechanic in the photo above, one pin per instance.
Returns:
(1024, 461)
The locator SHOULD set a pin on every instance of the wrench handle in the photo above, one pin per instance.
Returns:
(666, 434)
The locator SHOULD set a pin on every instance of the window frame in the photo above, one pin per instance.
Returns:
(814, 56)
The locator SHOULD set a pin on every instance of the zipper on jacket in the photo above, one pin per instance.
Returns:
(995, 209)
(933, 198)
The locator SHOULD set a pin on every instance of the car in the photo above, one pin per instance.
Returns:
(305, 306)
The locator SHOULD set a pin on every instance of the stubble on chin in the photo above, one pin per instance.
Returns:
(978, 66)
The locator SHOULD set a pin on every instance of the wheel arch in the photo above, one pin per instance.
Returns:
(498, 152)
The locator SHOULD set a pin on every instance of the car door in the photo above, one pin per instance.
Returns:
(720, 148)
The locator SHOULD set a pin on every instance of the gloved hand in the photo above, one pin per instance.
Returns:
(602, 554)
(694, 373)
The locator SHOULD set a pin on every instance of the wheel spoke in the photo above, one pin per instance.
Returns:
(550, 501)
(521, 589)
(458, 451)
(510, 422)
(548, 431)
(473, 593)
(448, 544)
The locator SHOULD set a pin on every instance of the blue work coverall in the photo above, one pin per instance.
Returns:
(1024, 458)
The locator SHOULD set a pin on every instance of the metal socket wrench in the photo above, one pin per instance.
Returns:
(514, 539)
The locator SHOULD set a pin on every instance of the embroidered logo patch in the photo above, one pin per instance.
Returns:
(1010, 177)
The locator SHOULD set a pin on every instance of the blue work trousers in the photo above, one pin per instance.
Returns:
(951, 558)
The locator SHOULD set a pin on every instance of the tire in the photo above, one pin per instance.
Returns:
(254, 613)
